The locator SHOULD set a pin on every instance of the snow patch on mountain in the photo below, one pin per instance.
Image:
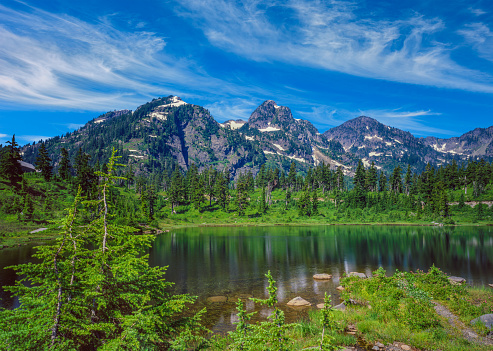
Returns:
(269, 129)
(175, 102)
(373, 137)
(163, 116)
(279, 147)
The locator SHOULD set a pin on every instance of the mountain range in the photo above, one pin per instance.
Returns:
(168, 130)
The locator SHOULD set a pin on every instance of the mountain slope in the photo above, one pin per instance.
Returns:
(284, 138)
(478, 142)
(156, 135)
(373, 141)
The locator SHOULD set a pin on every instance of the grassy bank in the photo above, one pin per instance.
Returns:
(403, 309)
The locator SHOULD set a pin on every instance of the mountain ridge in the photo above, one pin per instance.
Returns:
(169, 130)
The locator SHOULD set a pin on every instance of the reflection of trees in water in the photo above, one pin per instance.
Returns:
(232, 260)
(8, 277)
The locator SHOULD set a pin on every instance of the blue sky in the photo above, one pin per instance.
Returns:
(422, 66)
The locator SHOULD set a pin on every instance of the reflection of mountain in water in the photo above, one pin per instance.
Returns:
(229, 261)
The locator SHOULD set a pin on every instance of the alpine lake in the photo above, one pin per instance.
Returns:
(219, 265)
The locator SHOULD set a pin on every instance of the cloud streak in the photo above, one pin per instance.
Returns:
(330, 36)
(325, 117)
(58, 60)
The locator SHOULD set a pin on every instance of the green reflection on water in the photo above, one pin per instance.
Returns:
(232, 261)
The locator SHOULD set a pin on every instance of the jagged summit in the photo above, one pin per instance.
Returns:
(269, 117)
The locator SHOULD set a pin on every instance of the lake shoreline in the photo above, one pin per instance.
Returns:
(52, 233)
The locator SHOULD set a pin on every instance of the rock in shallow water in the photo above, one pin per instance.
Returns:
(217, 299)
(322, 276)
(298, 301)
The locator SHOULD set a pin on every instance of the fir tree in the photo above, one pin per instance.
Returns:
(28, 209)
(64, 169)
(43, 162)
(175, 191)
(10, 167)
(262, 206)
(314, 210)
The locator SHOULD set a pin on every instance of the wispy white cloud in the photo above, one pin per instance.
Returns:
(412, 121)
(477, 12)
(480, 36)
(329, 35)
(57, 60)
(325, 117)
(232, 109)
(31, 138)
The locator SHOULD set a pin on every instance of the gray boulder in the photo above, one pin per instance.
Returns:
(486, 319)
(340, 307)
(298, 301)
(456, 280)
(357, 274)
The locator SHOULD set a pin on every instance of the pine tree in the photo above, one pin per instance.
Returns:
(85, 178)
(64, 169)
(10, 167)
(372, 178)
(408, 180)
(175, 191)
(221, 189)
(314, 210)
(241, 196)
(43, 162)
(262, 206)
(28, 209)
(304, 204)
(292, 175)
(382, 182)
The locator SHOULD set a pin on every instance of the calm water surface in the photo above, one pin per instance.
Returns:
(230, 262)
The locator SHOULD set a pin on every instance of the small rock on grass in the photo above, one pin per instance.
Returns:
(456, 280)
(357, 274)
(490, 285)
(340, 307)
(340, 288)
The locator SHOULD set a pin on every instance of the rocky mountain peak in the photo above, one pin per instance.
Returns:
(269, 116)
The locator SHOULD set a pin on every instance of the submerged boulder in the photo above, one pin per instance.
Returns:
(298, 301)
(214, 299)
(322, 276)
